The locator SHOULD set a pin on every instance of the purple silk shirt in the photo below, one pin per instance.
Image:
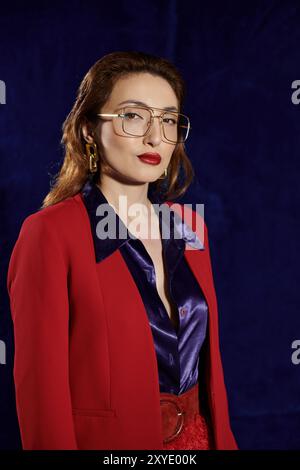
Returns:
(177, 352)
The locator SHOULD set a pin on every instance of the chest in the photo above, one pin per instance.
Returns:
(154, 249)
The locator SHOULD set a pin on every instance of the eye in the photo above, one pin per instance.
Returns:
(171, 122)
(129, 117)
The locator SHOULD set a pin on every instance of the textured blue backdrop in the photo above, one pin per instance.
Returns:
(239, 60)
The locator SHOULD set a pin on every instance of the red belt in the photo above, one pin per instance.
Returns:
(177, 411)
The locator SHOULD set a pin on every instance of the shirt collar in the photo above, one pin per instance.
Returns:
(93, 197)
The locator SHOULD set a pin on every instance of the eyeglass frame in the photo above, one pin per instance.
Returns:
(122, 115)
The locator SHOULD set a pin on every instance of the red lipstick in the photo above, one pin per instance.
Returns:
(151, 158)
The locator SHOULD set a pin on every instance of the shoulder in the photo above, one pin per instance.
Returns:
(51, 235)
(64, 224)
(59, 216)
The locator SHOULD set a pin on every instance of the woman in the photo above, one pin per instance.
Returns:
(116, 337)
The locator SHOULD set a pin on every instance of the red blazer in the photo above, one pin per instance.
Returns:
(85, 367)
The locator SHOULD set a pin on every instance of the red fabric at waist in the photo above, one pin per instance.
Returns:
(183, 423)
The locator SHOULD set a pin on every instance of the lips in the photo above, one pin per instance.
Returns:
(151, 158)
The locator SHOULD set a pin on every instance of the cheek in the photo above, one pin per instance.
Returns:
(168, 152)
(108, 137)
(111, 141)
(114, 145)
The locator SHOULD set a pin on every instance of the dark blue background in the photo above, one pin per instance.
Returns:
(239, 59)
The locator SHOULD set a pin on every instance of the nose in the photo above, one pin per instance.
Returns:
(154, 135)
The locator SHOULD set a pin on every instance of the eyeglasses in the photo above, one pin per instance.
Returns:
(137, 121)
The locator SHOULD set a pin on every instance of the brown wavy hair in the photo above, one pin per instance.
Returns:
(92, 94)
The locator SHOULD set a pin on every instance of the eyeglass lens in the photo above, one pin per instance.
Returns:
(136, 121)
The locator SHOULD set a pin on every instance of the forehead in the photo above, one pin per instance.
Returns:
(150, 89)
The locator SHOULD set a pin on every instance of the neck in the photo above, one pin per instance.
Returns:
(133, 193)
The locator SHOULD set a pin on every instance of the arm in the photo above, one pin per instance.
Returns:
(37, 286)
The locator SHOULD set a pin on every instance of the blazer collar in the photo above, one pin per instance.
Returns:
(94, 197)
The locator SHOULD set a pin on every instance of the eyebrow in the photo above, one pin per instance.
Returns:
(168, 108)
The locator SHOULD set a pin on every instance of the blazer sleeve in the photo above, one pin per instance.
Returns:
(37, 287)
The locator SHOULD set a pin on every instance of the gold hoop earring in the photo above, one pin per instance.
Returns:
(92, 155)
(164, 175)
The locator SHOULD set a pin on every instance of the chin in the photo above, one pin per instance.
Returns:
(150, 179)
(145, 176)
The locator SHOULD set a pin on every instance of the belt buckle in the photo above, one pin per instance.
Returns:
(180, 421)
